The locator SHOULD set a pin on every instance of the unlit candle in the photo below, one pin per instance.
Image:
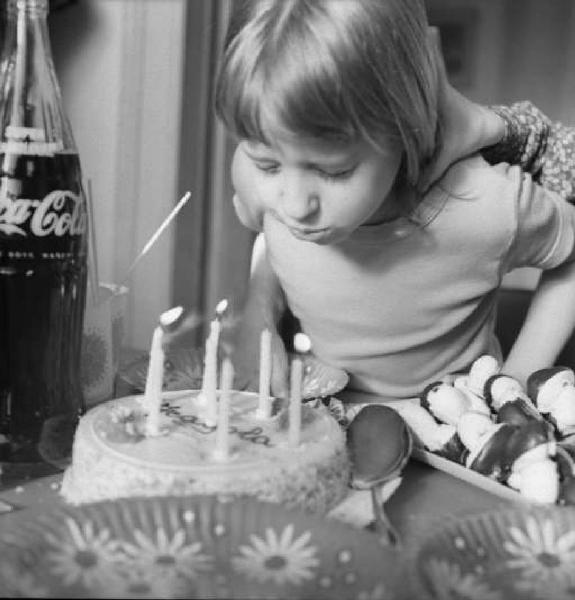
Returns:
(302, 345)
(222, 451)
(210, 375)
(296, 373)
(264, 401)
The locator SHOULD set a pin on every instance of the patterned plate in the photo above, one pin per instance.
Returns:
(514, 554)
(195, 547)
(183, 368)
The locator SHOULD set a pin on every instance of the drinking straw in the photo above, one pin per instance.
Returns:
(157, 234)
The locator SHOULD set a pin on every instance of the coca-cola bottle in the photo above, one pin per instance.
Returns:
(43, 245)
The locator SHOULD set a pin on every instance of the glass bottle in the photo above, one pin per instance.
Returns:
(43, 246)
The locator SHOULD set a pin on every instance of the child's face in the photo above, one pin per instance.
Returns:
(320, 191)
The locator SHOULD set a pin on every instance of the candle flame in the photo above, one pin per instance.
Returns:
(301, 343)
(171, 316)
(190, 322)
(221, 308)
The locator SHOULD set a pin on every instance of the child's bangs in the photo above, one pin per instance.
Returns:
(307, 101)
(242, 110)
(294, 97)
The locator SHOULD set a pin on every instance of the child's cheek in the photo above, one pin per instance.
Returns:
(248, 209)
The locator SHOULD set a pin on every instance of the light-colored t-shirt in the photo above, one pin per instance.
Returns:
(402, 304)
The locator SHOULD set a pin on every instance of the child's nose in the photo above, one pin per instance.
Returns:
(299, 201)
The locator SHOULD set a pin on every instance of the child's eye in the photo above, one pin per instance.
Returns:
(268, 167)
(336, 175)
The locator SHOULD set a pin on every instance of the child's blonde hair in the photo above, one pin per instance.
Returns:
(339, 69)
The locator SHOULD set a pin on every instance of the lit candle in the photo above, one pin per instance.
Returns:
(302, 345)
(264, 402)
(210, 378)
(155, 377)
(222, 451)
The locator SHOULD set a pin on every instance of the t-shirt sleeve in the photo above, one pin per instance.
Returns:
(544, 223)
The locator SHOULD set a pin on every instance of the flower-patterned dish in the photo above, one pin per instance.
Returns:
(183, 368)
(514, 554)
(195, 547)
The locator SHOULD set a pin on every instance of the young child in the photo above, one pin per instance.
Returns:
(334, 106)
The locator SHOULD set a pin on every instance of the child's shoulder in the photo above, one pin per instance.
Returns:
(474, 176)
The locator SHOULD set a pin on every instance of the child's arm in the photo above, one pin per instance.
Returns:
(264, 307)
(544, 238)
(548, 325)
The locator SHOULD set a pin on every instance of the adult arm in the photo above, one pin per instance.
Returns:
(544, 149)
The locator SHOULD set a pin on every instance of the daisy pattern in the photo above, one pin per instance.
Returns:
(278, 558)
(449, 583)
(546, 560)
(87, 557)
(167, 557)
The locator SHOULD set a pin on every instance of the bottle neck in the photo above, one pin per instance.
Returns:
(33, 111)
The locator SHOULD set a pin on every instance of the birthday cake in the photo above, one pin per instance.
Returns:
(114, 457)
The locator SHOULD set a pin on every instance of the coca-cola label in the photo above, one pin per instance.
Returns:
(50, 216)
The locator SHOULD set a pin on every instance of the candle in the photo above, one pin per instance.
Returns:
(222, 451)
(155, 376)
(301, 345)
(264, 400)
(210, 378)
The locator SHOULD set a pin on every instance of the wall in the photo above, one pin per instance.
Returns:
(539, 51)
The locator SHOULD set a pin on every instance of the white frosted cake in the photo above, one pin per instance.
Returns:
(113, 457)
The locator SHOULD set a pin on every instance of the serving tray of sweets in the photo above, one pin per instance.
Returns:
(487, 429)
(464, 473)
